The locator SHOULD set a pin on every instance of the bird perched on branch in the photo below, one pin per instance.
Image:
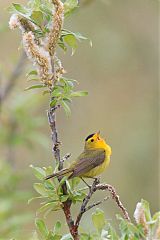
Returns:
(92, 161)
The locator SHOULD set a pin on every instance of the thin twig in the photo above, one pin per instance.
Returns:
(54, 135)
(115, 197)
(85, 202)
(96, 204)
(66, 156)
(13, 77)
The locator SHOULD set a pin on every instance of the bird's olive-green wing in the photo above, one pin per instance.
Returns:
(88, 160)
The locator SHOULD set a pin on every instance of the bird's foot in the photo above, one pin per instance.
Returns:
(97, 180)
(86, 183)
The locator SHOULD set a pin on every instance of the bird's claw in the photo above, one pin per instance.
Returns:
(97, 180)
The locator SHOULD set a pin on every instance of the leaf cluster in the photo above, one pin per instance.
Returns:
(40, 14)
(63, 93)
(54, 234)
(50, 191)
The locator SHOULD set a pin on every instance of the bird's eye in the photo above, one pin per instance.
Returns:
(92, 140)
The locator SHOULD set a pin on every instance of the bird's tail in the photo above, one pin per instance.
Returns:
(61, 173)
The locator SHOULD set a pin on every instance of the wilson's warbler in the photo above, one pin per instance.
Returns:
(92, 161)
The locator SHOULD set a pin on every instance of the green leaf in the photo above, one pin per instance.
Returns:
(79, 94)
(46, 10)
(64, 198)
(54, 237)
(66, 108)
(42, 227)
(68, 186)
(78, 197)
(39, 187)
(67, 100)
(48, 206)
(33, 80)
(63, 180)
(56, 91)
(71, 41)
(98, 219)
(34, 198)
(33, 72)
(112, 233)
(34, 87)
(67, 237)
(146, 207)
(62, 45)
(77, 35)
(57, 227)
(38, 32)
(74, 182)
(156, 216)
(37, 17)
(19, 8)
(68, 81)
(37, 3)
(88, 236)
(45, 92)
(49, 185)
(53, 102)
(56, 208)
(70, 6)
(48, 170)
(123, 226)
(38, 172)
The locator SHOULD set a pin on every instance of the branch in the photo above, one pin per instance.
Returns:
(96, 204)
(52, 42)
(115, 197)
(97, 186)
(65, 157)
(54, 135)
(13, 77)
(85, 202)
(59, 161)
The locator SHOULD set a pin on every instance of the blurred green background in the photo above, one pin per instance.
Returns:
(120, 72)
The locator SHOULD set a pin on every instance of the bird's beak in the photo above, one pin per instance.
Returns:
(98, 134)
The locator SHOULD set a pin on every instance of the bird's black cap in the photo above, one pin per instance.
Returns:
(91, 135)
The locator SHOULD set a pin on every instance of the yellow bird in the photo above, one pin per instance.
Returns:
(92, 161)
